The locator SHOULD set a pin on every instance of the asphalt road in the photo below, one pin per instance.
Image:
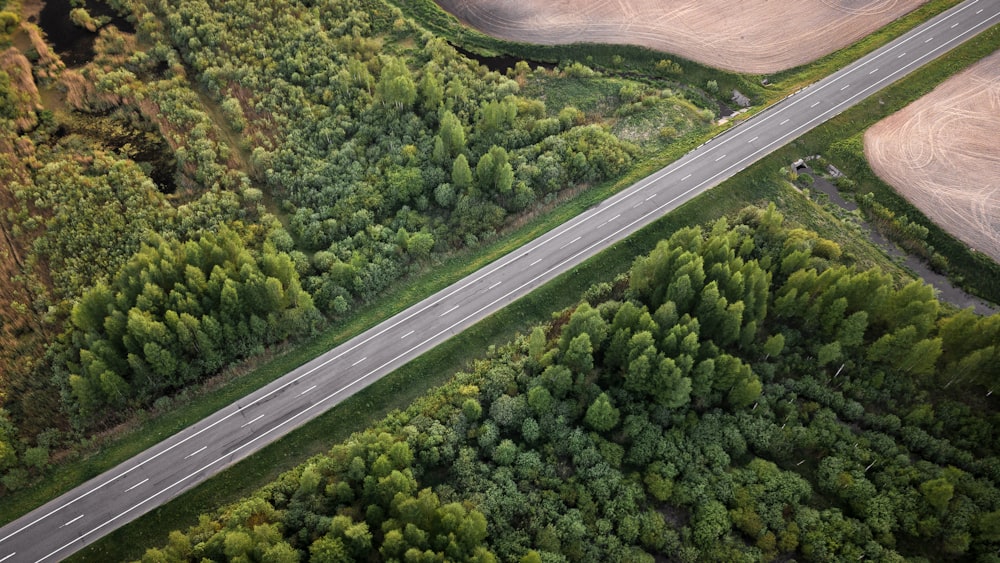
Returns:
(180, 462)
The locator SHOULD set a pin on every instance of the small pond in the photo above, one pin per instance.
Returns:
(74, 44)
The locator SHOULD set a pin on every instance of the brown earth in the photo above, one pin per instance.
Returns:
(941, 153)
(754, 36)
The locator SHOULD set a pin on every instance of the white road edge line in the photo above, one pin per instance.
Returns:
(571, 224)
(141, 482)
(252, 421)
(71, 521)
(196, 452)
(307, 390)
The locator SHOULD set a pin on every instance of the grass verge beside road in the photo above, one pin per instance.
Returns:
(631, 59)
(840, 140)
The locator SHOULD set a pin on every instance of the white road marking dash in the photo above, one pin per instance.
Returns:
(252, 421)
(784, 122)
(448, 311)
(141, 482)
(750, 141)
(307, 390)
(366, 357)
(569, 243)
(71, 521)
(720, 158)
(814, 104)
(8, 557)
(194, 453)
(535, 262)
(407, 334)
(685, 177)
(494, 285)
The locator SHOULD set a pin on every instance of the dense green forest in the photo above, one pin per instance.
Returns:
(222, 176)
(738, 395)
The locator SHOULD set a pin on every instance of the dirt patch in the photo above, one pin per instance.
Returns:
(755, 36)
(941, 154)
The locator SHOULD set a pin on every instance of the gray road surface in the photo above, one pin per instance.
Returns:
(180, 462)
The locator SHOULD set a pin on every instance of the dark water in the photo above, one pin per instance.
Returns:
(499, 64)
(75, 45)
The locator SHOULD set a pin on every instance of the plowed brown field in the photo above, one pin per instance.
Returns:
(942, 153)
(755, 36)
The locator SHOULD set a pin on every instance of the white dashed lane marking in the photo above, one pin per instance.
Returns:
(196, 452)
(71, 521)
(141, 482)
(252, 421)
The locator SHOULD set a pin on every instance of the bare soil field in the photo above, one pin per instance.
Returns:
(941, 153)
(754, 36)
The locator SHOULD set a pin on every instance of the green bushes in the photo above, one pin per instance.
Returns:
(175, 313)
(696, 416)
